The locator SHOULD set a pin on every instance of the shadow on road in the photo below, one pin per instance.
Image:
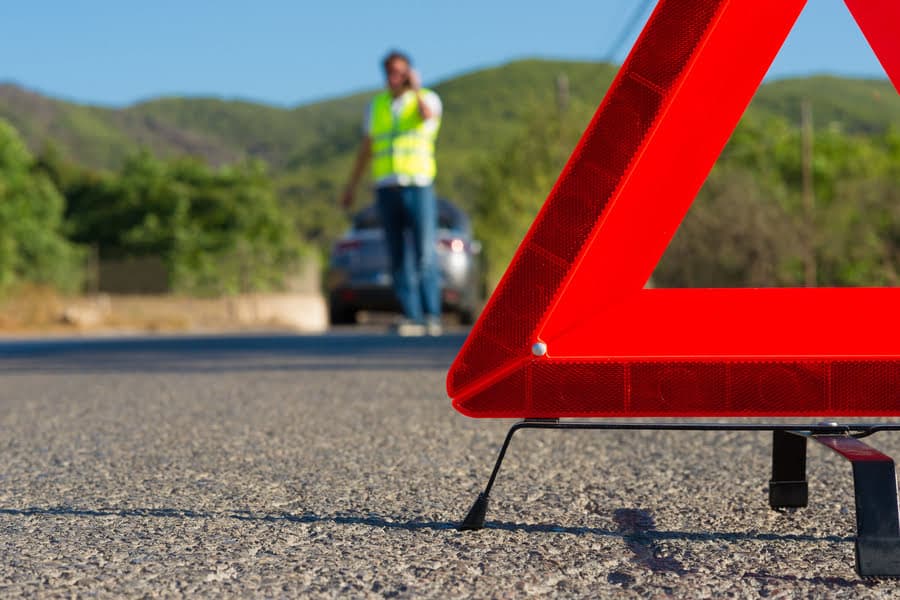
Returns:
(375, 520)
(634, 530)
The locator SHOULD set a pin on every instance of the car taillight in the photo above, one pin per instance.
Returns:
(452, 244)
(347, 246)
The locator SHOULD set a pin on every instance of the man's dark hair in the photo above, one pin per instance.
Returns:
(395, 55)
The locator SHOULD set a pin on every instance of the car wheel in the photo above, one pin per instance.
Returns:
(340, 314)
(466, 316)
(468, 310)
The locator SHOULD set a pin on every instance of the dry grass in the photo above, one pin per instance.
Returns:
(38, 310)
(31, 307)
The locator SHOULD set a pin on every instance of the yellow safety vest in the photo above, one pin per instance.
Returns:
(401, 145)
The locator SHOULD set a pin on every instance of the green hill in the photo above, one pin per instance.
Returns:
(501, 147)
(101, 137)
(854, 105)
(481, 108)
(309, 148)
(478, 107)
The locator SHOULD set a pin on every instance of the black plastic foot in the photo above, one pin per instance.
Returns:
(788, 487)
(788, 494)
(878, 556)
(475, 519)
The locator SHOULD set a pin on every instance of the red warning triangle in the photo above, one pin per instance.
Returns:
(570, 331)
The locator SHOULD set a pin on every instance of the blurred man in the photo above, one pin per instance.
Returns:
(400, 128)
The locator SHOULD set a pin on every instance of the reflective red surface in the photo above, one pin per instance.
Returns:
(575, 284)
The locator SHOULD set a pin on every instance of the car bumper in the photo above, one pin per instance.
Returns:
(384, 299)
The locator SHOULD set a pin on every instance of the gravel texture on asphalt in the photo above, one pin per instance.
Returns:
(334, 466)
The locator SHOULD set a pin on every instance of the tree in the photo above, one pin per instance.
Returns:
(32, 245)
(511, 185)
(217, 231)
(749, 225)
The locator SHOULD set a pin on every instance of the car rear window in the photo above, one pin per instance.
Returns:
(449, 217)
(367, 219)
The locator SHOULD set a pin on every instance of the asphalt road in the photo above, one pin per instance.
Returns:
(326, 466)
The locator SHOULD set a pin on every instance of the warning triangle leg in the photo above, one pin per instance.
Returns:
(475, 518)
(877, 517)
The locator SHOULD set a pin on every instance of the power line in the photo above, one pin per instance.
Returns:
(630, 25)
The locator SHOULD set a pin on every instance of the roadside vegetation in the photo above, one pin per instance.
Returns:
(231, 196)
(754, 223)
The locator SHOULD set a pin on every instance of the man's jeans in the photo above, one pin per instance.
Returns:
(409, 214)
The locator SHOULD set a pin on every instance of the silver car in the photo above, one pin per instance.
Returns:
(359, 272)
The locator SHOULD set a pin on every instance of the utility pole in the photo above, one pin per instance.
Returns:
(562, 93)
(809, 197)
(562, 106)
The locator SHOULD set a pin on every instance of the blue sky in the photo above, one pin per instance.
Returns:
(283, 52)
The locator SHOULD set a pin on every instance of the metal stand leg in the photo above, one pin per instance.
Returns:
(877, 516)
(475, 519)
(788, 487)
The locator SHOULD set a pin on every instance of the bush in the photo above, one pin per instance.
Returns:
(218, 231)
(33, 248)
